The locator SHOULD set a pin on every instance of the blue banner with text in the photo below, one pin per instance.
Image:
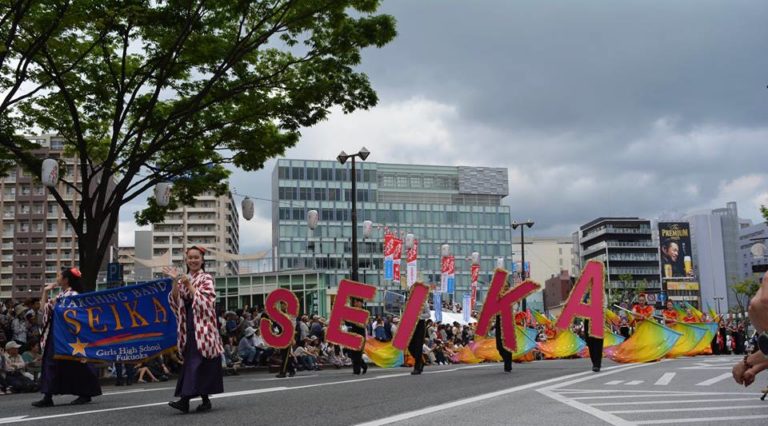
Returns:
(126, 324)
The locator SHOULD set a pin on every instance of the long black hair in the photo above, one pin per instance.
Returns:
(73, 278)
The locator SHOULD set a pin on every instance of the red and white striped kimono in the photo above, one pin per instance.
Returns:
(204, 310)
(48, 314)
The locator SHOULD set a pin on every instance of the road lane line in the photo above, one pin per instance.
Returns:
(684, 401)
(714, 380)
(136, 391)
(665, 379)
(614, 382)
(675, 410)
(634, 382)
(696, 420)
(478, 398)
(224, 395)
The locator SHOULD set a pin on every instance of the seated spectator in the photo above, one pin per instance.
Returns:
(158, 368)
(438, 351)
(246, 349)
(17, 378)
(304, 358)
(144, 371)
(33, 358)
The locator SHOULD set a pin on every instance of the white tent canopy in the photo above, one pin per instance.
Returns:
(451, 317)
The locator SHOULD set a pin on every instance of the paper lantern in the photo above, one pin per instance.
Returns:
(50, 173)
(247, 206)
(312, 219)
(367, 229)
(475, 258)
(409, 241)
(163, 193)
(445, 250)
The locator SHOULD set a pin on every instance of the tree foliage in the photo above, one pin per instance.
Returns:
(148, 91)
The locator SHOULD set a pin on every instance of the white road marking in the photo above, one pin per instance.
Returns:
(658, 395)
(614, 382)
(665, 379)
(272, 379)
(453, 404)
(11, 419)
(550, 391)
(727, 367)
(684, 401)
(714, 380)
(675, 410)
(634, 382)
(137, 390)
(696, 420)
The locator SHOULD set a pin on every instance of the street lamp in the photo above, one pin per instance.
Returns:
(718, 299)
(312, 219)
(515, 225)
(343, 157)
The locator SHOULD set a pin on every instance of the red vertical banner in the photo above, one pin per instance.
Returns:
(397, 255)
(475, 274)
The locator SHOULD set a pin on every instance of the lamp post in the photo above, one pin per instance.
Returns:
(367, 232)
(343, 157)
(312, 218)
(718, 299)
(522, 225)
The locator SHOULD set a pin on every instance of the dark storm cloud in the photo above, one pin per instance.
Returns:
(581, 65)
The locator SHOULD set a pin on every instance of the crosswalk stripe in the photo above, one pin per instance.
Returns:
(665, 379)
(683, 401)
(614, 382)
(714, 380)
(634, 382)
(676, 410)
(698, 420)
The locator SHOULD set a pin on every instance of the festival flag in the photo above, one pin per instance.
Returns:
(565, 344)
(447, 271)
(696, 313)
(690, 337)
(540, 318)
(611, 317)
(680, 311)
(475, 275)
(466, 310)
(713, 314)
(412, 257)
(650, 342)
(437, 302)
(389, 251)
(397, 255)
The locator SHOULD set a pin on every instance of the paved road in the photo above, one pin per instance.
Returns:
(561, 392)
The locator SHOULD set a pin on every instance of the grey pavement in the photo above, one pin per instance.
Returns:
(560, 392)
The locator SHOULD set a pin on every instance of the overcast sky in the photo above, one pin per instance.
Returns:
(597, 108)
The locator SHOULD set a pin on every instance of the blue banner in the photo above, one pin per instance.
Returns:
(437, 302)
(126, 324)
(451, 284)
(389, 269)
(466, 309)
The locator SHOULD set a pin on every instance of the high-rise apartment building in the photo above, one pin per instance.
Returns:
(749, 237)
(460, 206)
(626, 246)
(546, 257)
(212, 222)
(37, 240)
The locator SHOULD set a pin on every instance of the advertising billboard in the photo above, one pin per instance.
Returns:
(675, 250)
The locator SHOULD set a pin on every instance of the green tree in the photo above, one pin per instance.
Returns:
(764, 211)
(145, 92)
(744, 291)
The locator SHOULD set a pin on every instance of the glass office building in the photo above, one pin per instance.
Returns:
(460, 206)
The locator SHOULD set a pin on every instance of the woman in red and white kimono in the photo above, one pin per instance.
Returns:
(193, 300)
